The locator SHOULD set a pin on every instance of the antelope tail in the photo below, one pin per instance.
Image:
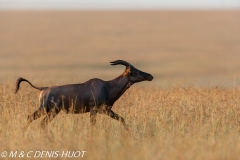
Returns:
(19, 80)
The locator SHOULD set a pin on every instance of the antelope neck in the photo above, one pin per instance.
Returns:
(118, 86)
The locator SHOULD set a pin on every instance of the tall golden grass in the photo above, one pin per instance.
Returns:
(178, 122)
(167, 120)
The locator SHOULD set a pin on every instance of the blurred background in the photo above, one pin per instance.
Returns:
(70, 41)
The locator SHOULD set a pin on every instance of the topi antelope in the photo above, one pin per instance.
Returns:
(94, 96)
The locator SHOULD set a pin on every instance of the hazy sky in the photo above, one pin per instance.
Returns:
(119, 4)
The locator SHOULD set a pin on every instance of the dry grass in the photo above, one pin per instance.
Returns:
(167, 123)
(167, 120)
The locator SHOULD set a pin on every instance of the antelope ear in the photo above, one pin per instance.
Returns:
(127, 71)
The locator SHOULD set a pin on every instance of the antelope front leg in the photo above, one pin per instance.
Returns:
(115, 116)
(93, 114)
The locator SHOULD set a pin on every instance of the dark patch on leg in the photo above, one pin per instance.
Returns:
(35, 115)
(115, 116)
(49, 117)
(93, 115)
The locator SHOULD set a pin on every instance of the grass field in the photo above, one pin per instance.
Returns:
(189, 111)
(174, 123)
